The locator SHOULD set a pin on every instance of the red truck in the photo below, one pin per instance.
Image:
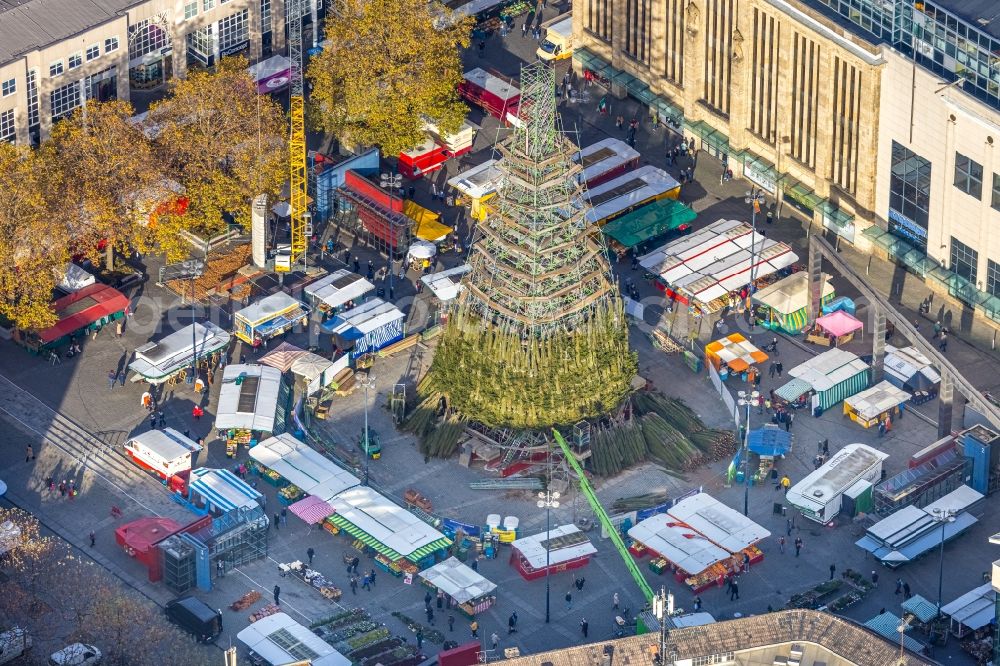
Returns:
(497, 96)
(436, 149)
(380, 210)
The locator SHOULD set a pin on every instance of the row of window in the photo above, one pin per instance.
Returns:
(111, 44)
(969, 179)
(721, 658)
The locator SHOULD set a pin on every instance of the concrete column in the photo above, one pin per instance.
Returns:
(946, 394)
(878, 343)
(278, 26)
(814, 298)
(178, 54)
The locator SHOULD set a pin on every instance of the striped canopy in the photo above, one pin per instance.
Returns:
(367, 539)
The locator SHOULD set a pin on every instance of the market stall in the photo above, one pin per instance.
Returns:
(692, 557)
(907, 368)
(627, 192)
(269, 317)
(604, 160)
(219, 491)
(566, 547)
(367, 328)
(278, 639)
(427, 225)
(169, 358)
(253, 401)
(420, 255)
(479, 184)
(972, 611)
(282, 356)
(834, 329)
(312, 578)
(733, 355)
(472, 592)
(340, 290)
(819, 495)
(285, 459)
(446, 285)
(80, 313)
(317, 371)
(646, 225)
(887, 626)
(703, 268)
(403, 543)
(832, 376)
(768, 443)
(876, 404)
(781, 306)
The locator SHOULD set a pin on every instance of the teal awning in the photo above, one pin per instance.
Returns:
(836, 215)
(793, 390)
(796, 191)
(649, 222)
(711, 136)
(633, 85)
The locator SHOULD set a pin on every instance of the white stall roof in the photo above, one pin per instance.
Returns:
(878, 399)
(975, 609)
(367, 317)
(166, 443)
(303, 466)
(76, 279)
(958, 500)
(836, 475)
(480, 180)
(724, 526)
(457, 580)
(613, 154)
(678, 543)
(268, 307)
(278, 639)
(474, 7)
(830, 368)
(253, 404)
(446, 285)
(533, 548)
(223, 489)
(157, 361)
(339, 288)
(388, 522)
(655, 182)
(491, 83)
(790, 294)
(906, 362)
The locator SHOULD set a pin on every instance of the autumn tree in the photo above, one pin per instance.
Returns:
(387, 65)
(104, 163)
(223, 143)
(33, 252)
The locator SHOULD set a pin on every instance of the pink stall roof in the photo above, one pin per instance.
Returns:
(839, 323)
(312, 509)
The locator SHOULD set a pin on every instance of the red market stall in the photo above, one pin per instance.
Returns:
(139, 539)
(566, 546)
(497, 96)
(689, 555)
(89, 309)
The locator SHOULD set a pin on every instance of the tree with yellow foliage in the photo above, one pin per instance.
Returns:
(222, 143)
(104, 164)
(388, 64)
(33, 252)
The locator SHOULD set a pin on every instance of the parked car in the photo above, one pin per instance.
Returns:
(196, 617)
(77, 654)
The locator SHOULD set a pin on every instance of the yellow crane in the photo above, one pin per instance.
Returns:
(297, 174)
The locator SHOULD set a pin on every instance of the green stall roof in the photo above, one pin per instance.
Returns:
(649, 222)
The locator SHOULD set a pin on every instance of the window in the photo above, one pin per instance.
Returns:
(110, 44)
(9, 87)
(993, 277)
(968, 176)
(207, 4)
(964, 260)
(33, 118)
(7, 132)
(995, 201)
(102, 86)
(909, 194)
(233, 32)
(190, 10)
(75, 60)
(265, 15)
(56, 68)
(93, 52)
(145, 37)
(65, 99)
(713, 659)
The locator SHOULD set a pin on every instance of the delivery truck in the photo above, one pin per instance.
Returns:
(558, 42)
(166, 453)
(819, 496)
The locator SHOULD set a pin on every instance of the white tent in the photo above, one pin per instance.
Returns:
(76, 279)
(338, 288)
(973, 610)
(726, 527)
(303, 466)
(457, 580)
(253, 403)
(532, 548)
(278, 639)
(390, 524)
(907, 367)
(156, 362)
(678, 543)
(446, 285)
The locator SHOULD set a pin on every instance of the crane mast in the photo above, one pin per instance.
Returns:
(297, 176)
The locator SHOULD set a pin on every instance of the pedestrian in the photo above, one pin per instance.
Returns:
(937, 328)
(475, 564)
(354, 564)
(826, 447)
(430, 615)
(357, 265)
(162, 420)
(440, 599)
(788, 421)
(788, 526)
(284, 516)
(734, 591)
(354, 584)
(71, 490)
(614, 601)
(62, 488)
(524, 29)
(512, 623)
(277, 521)
(906, 591)
(29, 454)
(771, 370)
(420, 638)
(371, 576)
(451, 623)
(833, 570)
(798, 545)
(746, 562)
(93, 539)
(427, 599)
(121, 378)
(781, 544)
(220, 569)
(579, 583)
(881, 428)
(482, 48)
(51, 483)
(474, 627)
(152, 421)
(277, 594)
(874, 578)
(697, 604)
(778, 367)
(899, 586)
(197, 412)
(943, 343)
(310, 553)
(760, 404)
(584, 626)
(786, 483)
(112, 378)
(495, 640)
(569, 600)
(366, 583)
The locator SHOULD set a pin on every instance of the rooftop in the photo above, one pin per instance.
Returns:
(980, 14)
(852, 643)
(26, 25)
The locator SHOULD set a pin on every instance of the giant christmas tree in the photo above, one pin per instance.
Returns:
(539, 337)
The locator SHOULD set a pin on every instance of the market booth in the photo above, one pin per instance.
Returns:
(278, 639)
(367, 327)
(972, 611)
(427, 224)
(830, 377)
(338, 291)
(819, 495)
(834, 329)
(733, 355)
(253, 401)
(446, 285)
(299, 470)
(907, 368)
(403, 542)
(876, 404)
(218, 492)
(269, 317)
(469, 589)
(567, 547)
(159, 362)
(768, 443)
(604, 160)
(79, 313)
(691, 557)
(627, 192)
(647, 224)
(480, 184)
(782, 306)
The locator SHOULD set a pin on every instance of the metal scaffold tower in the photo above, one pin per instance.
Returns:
(537, 263)
(297, 176)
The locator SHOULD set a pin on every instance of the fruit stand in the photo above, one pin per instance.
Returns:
(471, 591)
(312, 578)
(563, 548)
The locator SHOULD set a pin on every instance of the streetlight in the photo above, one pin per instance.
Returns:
(755, 197)
(748, 400)
(367, 383)
(943, 516)
(547, 500)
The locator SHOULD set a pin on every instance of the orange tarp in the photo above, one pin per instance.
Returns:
(734, 351)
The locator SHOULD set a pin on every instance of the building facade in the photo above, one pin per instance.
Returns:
(782, 94)
(51, 65)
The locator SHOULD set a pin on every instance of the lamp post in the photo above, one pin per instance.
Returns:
(547, 500)
(367, 383)
(943, 516)
(747, 399)
(755, 198)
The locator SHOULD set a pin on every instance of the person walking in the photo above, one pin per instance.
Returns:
(354, 584)
(786, 483)
(420, 638)
(451, 623)
(943, 342)
(310, 553)
(899, 586)
(569, 600)
(778, 367)
(93, 539)
(29, 453)
(937, 328)
(874, 578)
(371, 576)
(366, 583)
(277, 594)
(284, 516)
(833, 570)
(781, 544)
(62, 488)
(906, 591)
(495, 640)
(579, 583)
(697, 604)
(584, 626)
(798, 546)
(474, 627)
(614, 601)
(112, 379)
(277, 521)
(512, 623)
(430, 615)
(788, 421)
(734, 590)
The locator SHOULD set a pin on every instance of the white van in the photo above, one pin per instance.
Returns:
(77, 654)
(13, 644)
(558, 42)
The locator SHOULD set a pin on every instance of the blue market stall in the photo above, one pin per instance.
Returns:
(367, 328)
(768, 443)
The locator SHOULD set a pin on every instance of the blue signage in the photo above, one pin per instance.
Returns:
(904, 226)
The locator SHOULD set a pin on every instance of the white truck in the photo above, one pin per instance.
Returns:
(166, 453)
(819, 495)
(558, 42)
